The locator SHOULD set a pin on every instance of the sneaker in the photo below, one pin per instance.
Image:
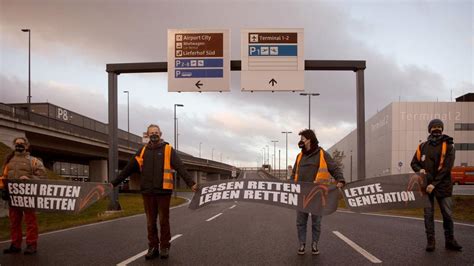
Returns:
(11, 250)
(314, 248)
(301, 249)
(152, 253)
(30, 250)
(165, 253)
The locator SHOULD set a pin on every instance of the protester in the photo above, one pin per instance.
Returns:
(20, 164)
(434, 159)
(313, 165)
(156, 163)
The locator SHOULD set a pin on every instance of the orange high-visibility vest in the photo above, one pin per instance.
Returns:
(443, 154)
(167, 170)
(5, 174)
(322, 176)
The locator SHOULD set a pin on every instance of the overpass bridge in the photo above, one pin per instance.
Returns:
(62, 137)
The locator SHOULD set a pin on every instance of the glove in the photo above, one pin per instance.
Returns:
(430, 188)
(5, 195)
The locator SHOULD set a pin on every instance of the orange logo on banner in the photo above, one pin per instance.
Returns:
(322, 189)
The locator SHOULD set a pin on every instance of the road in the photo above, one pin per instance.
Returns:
(463, 190)
(242, 233)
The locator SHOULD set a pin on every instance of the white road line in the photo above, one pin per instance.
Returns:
(233, 206)
(214, 217)
(141, 254)
(98, 223)
(362, 251)
(403, 217)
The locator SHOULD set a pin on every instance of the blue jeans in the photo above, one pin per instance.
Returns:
(302, 220)
(446, 207)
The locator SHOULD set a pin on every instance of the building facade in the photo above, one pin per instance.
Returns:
(394, 133)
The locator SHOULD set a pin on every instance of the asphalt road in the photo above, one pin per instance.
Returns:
(241, 233)
(463, 190)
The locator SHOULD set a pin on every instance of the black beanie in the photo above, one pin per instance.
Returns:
(435, 122)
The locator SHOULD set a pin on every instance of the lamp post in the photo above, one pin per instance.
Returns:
(200, 143)
(268, 154)
(29, 68)
(128, 116)
(175, 144)
(175, 125)
(274, 155)
(309, 105)
(212, 154)
(286, 165)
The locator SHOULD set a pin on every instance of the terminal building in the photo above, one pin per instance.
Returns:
(394, 133)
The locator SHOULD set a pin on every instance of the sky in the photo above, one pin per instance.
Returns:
(414, 51)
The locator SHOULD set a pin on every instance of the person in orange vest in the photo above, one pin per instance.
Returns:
(156, 163)
(434, 159)
(314, 165)
(20, 164)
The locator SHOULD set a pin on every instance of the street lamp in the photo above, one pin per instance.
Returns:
(175, 145)
(286, 165)
(29, 68)
(274, 155)
(200, 143)
(268, 154)
(128, 116)
(309, 107)
(175, 122)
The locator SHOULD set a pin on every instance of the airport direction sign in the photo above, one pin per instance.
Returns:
(272, 59)
(198, 60)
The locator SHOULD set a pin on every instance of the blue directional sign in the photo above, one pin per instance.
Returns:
(199, 73)
(273, 50)
(193, 63)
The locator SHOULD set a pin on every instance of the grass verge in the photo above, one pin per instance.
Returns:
(131, 204)
(463, 210)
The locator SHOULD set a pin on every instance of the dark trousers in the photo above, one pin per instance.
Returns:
(445, 205)
(158, 205)
(16, 216)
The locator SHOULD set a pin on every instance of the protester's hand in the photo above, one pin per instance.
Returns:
(430, 188)
(194, 187)
(24, 177)
(340, 184)
(422, 171)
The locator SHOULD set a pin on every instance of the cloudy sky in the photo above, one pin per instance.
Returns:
(415, 51)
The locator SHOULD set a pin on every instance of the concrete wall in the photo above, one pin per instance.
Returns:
(98, 171)
(7, 135)
(393, 134)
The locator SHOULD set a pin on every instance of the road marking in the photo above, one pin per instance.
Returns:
(233, 206)
(362, 251)
(214, 217)
(99, 223)
(403, 217)
(141, 254)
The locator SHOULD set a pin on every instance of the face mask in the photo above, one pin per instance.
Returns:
(436, 132)
(301, 144)
(154, 138)
(20, 147)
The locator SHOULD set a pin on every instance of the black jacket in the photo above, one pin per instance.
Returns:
(430, 159)
(151, 176)
(309, 166)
